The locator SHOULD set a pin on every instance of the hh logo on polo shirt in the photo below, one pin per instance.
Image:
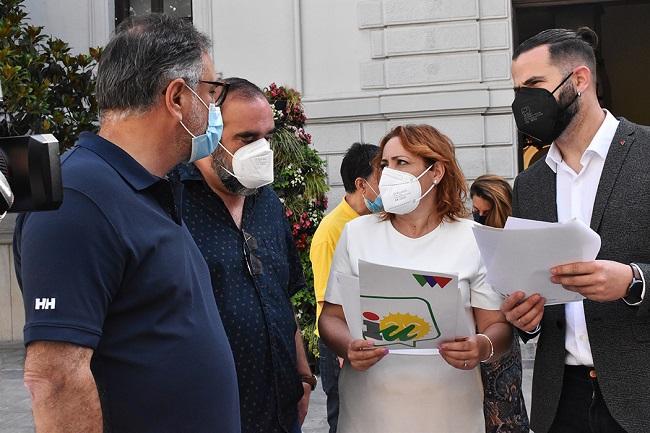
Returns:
(45, 304)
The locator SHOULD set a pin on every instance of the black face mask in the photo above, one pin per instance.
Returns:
(479, 218)
(539, 116)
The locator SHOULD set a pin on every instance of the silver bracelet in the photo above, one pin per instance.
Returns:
(491, 347)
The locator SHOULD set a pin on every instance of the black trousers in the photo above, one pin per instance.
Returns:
(582, 408)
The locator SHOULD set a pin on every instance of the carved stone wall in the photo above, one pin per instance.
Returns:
(363, 67)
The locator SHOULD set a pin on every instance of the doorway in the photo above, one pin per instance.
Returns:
(127, 8)
(623, 54)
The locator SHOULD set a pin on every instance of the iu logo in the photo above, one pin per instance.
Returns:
(45, 304)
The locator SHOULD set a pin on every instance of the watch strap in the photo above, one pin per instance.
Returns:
(309, 379)
(636, 289)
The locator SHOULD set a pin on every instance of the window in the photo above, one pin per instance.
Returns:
(127, 8)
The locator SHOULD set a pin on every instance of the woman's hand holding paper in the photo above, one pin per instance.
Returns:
(362, 354)
(464, 353)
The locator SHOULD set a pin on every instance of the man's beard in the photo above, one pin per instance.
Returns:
(230, 182)
(568, 102)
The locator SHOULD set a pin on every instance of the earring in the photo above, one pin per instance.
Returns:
(579, 94)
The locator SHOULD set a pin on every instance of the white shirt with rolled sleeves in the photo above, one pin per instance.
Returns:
(410, 393)
(575, 197)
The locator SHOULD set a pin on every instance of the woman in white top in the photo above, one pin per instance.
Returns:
(423, 192)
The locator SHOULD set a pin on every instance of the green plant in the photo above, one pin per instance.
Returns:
(301, 184)
(46, 88)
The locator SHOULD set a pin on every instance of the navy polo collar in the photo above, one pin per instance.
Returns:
(130, 169)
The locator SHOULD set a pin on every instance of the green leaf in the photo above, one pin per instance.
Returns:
(46, 89)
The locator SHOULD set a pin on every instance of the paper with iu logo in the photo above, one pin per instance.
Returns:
(405, 308)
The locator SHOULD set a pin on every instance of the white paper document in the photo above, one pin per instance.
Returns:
(408, 311)
(520, 256)
(351, 300)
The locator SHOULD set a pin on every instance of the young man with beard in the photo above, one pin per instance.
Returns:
(591, 372)
(240, 227)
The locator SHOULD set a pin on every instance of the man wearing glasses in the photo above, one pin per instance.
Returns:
(121, 330)
(240, 227)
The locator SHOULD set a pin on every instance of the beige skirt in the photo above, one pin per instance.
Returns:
(410, 394)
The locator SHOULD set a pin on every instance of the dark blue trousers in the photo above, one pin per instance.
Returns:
(329, 377)
(582, 408)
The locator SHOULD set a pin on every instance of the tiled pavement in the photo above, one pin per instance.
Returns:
(15, 409)
(16, 417)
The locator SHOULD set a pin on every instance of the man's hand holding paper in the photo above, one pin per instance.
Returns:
(524, 312)
(598, 280)
(520, 258)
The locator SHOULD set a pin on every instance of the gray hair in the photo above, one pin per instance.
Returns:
(143, 56)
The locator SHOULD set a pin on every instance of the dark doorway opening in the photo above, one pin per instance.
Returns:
(623, 53)
(127, 8)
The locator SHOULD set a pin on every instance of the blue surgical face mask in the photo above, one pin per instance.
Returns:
(376, 205)
(203, 145)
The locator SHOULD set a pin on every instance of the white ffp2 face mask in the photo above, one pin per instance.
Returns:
(252, 164)
(400, 191)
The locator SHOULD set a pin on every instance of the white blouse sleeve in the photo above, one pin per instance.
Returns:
(481, 293)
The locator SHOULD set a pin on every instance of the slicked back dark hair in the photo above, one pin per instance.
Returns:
(357, 162)
(243, 89)
(565, 47)
(143, 56)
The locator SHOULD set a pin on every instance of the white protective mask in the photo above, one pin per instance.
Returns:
(400, 191)
(252, 164)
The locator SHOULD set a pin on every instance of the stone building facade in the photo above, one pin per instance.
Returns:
(363, 66)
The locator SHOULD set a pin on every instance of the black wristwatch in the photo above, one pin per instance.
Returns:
(309, 379)
(636, 289)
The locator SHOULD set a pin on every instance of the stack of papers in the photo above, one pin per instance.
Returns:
(519, 257)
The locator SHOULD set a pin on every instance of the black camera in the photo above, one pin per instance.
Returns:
(30, 172)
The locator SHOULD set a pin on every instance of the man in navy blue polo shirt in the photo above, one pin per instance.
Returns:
(240, 227)
(121, 329)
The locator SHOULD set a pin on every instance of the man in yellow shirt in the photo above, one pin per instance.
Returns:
(360, 181)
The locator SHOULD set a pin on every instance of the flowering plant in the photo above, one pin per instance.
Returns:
(301, 184)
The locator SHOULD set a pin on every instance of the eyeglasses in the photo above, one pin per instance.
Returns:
(253, 263)
(221, 88)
